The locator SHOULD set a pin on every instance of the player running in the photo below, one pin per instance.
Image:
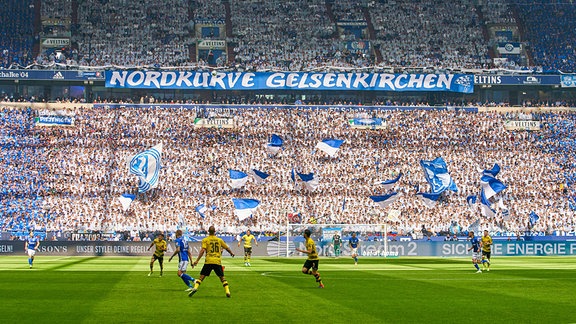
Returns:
(354, 243)
(486, 250)
(31, 245)
(184, 258)
(247, 238)
(161, 247)
(311, 264)
(475, 250)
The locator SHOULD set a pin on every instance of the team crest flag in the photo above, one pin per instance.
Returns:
(146, 165)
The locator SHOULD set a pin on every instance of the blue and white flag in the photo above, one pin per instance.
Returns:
(492, 172)
(491, 186)
(389, 184)
(201, 209)
(514, 48)
(309, 181)
(471, 202)
(436, 173)
(485, 207)
(504, 209)
(429, 199)
(330, 146)
(237, 179)
(385, 200)
(275, 144)
(258, 176)
(475, 227)
(243, 208)
(533, 218)
(146, 165)
(126, 200)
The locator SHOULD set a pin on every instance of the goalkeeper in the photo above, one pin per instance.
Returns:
(336, 243)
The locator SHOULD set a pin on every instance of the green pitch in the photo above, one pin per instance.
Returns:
(273, 290)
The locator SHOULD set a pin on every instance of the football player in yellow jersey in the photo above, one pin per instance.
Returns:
(247, 238)
(212, 246)
(486, 250)
(311, 264)
(161, 247)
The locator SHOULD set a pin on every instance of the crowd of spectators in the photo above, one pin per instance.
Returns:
(69, 178)
(430, 34)
(291, 35)
(550, 34)
(133, 34)
(16, 34)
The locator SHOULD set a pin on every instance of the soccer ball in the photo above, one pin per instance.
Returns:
(214, 72)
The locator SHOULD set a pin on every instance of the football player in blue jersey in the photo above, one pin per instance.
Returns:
(476, 255)
(184, 257)
(31, 245)
(354, 243)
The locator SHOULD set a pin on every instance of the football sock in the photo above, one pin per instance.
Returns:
(355, 259)
(197, 283)
(476, 266)
(318, 279)
(225, 285)
(30, 261)
(186, 278)
(248, 259)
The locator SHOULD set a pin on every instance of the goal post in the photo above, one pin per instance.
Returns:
(373, 239)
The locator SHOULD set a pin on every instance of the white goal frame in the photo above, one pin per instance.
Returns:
(296, 230)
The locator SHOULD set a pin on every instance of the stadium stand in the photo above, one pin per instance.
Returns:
(547, 30)
(16, 33)
(76, 174)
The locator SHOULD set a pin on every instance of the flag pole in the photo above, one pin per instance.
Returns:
(287, 234)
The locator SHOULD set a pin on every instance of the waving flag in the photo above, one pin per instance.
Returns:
(436, 173)
(258, 176)
(429, 199)
(471, 202)
(475, 227)
(394, 215)
(126, 200)
(329, 146)
(389, 184)
(275, 144)
(201, 209)
(533, 218)
(492, 172)
(385, 200)
(243, 208)
(237, 179)
(485, 208)
(504, 209)
(491, 186)
(146, 165)
(309, 181)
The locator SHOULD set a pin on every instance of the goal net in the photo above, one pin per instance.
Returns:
(373, 239)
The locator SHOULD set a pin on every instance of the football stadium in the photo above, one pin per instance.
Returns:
(287, 161)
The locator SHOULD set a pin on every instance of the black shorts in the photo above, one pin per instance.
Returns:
(311, 264)
(248, 250)
(207, 269)
(486, 254)
(159, 258)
